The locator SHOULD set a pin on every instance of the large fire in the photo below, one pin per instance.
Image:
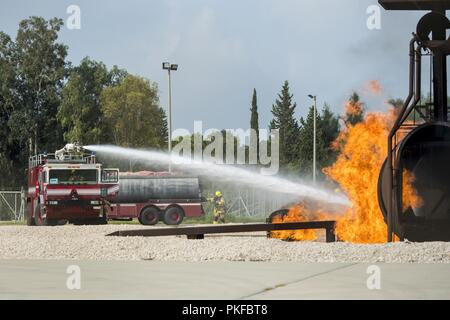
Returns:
(362, 151)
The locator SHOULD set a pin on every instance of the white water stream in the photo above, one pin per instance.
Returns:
(225, 172)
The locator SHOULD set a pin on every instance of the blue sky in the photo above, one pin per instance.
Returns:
(226, 48)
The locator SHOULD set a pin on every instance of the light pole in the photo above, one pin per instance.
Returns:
(314, 136)
(170, 67)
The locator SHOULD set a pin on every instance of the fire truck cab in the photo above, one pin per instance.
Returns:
(69, 185)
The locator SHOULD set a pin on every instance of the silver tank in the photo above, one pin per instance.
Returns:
(133, 189)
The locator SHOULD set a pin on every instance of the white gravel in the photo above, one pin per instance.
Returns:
(90, 243)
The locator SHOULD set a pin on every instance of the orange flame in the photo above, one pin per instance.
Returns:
(353, 108)
(297, 213)
(373, 87)
(362, 151)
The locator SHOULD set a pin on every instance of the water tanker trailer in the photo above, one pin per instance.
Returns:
(152, 197)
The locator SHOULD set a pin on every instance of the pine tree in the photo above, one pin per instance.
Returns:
(305, 146)
(329, 124)
(254, 123)
(284, 119)
(327, 130)
(354, 110)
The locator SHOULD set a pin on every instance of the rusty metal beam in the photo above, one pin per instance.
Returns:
(198, 232)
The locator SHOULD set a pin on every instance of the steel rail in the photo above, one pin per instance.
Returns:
(198, 232)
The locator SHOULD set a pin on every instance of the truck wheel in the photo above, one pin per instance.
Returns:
(173, 216)
(39, 221)
(149, 216)
(29, 216)
(51, 222)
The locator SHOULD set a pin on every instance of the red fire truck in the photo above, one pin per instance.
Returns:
(69, 186)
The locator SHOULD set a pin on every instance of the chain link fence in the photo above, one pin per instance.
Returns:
(244, 201)
(12, 205)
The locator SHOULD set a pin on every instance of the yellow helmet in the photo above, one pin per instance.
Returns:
(218, 194)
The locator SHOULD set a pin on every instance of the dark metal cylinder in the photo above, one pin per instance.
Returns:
(425, 154)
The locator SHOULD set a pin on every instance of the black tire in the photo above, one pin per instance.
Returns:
(51, 222)
(39, 221)
(173, 216)
(29, 215)
(149, 216)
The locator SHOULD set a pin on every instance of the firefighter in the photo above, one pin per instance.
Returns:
(219, 207)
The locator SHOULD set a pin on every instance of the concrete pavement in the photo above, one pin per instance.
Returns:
(46, 279)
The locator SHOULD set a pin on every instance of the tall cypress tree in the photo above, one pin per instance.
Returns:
(254, 123)
(284, 119)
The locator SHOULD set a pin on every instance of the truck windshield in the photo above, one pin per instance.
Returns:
(73, 176)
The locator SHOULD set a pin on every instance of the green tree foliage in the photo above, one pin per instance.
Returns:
(133, 114)
(44, 100)
(10, 153)
(327, 130)
(329, 124)
(284, 120)
(41, 70)
(80, 113)
(305, 147)
(33, 69)
(396, 103)
(8, 98)
(354, 110)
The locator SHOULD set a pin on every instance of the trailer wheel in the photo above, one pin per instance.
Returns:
(173, 216)
(149, 216)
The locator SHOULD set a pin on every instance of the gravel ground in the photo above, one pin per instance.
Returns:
(90, 243)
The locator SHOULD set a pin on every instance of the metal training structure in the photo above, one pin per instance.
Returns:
(419, 142)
